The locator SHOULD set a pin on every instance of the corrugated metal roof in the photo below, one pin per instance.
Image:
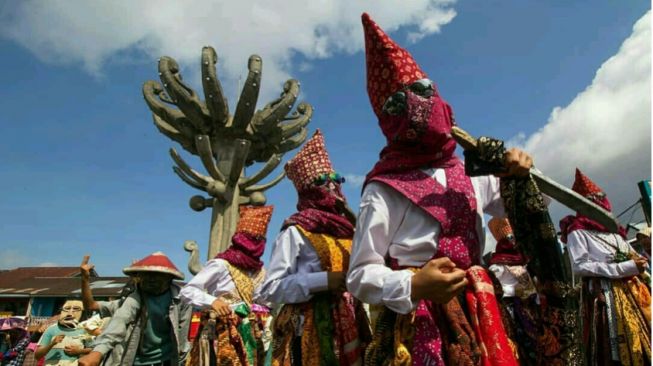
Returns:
(9, 277)
(63, 287)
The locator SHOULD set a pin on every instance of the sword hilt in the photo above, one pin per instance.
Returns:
(464, 139)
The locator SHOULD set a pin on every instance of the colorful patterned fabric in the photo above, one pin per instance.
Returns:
(320, 210)
(505, 251)
(283, 334)
(558, 335)
(615, 327)
(335, 329)
(254, 220)
(419, 136)
(245, 251)
(584, 186)
(15, 355)
(155, 262)
(342, 336)
(389, 67)
(454, 207)
(486, 319)
(235, 339)
(311, 161)
(433, 334)
(248, 243)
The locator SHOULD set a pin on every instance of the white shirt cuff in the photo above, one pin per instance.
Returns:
(317, 281)
(396, 291)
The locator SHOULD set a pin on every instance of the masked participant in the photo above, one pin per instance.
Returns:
(152, 322)
(320, 322)
(519, 295)
(14, 340)
(419, 235)
(64, 343)
(616, 305)
(233, 324)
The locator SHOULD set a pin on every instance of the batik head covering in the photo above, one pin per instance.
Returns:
(317, 206)
(584, 186)
(309, 163)
(505, 251)
(389, 67)
(157, 263)
(418, 133)
(248, 243)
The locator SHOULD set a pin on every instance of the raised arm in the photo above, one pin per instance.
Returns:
(87, 295)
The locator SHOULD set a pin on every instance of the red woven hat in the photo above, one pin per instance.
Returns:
(389, 67)
(311, 161)
(584, 186)
(155, 262)
(254, 220)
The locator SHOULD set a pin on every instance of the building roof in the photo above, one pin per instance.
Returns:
(63, 287)
(10, 277)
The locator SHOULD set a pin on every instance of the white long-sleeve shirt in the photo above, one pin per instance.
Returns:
(294, 273)
(592, 254)
(212, 282)
(390, 224)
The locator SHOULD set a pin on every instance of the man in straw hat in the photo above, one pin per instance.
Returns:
(233, 323)
(152, 320)
(418, 239)
(320, 322)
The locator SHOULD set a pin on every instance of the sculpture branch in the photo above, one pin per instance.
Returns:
(293, 142)
(266, 186)
(274, 112)
(213, 94)
(199, 178)
(183, 96)
(238, 162)
(249, 96)
(300, 119)
(205, 153)
(269, 166)
(186, 179)
(174, 134)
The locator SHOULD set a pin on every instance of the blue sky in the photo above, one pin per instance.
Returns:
(85, 170)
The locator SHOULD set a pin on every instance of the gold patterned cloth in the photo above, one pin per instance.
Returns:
(233, 340)
(335, 329)
(616, 328)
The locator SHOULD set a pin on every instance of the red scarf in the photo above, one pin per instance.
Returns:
(421, 138)
(486, 320)
(245, 251)
(318, 213)
(505, 253)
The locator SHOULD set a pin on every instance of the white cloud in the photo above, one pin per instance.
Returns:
(355, 180)
(93, 33)
(606, 130)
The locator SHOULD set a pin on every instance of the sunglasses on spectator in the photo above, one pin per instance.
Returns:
(324, 178)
